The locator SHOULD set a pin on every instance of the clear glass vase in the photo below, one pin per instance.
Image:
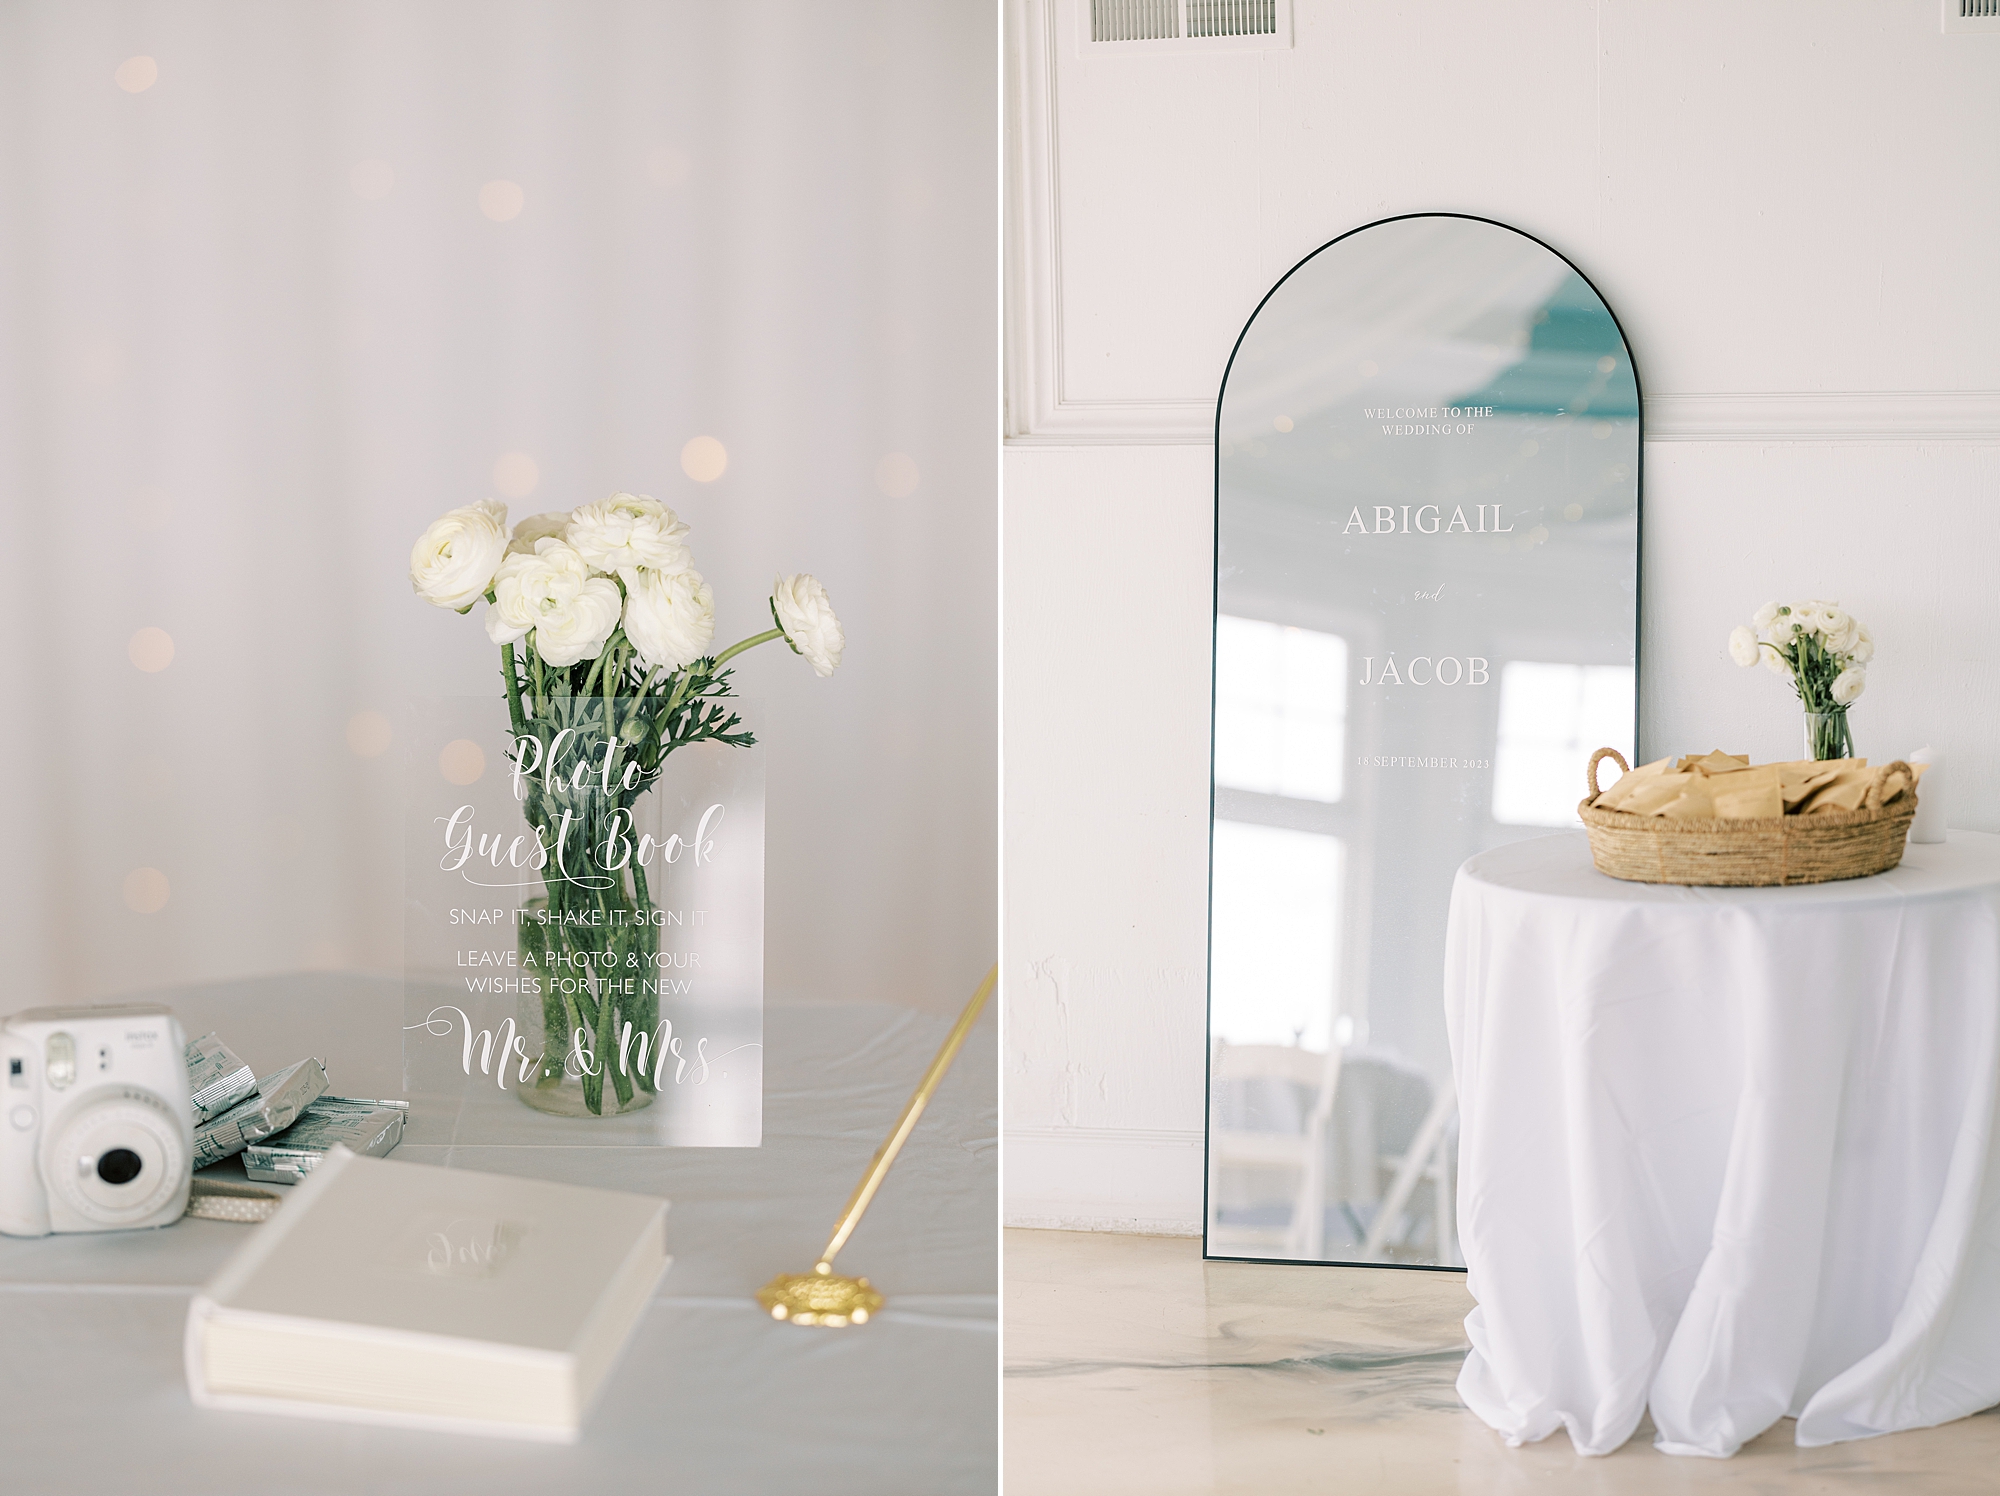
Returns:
(588, 996)
(589, 947)
(583, 927)
(1827, 735)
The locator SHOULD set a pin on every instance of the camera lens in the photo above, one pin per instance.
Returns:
(119, 1166)
(117, 1159)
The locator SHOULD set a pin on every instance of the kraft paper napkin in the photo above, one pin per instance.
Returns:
(1656, 793)
(1715, 762)
(1724, 786)
(1629, 783)
(1748, 794)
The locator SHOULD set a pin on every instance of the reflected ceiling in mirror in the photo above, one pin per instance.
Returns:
(1427, 566)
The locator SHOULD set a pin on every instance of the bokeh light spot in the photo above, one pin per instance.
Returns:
(369, 734)
(896, 475)
(501, 200)
(704, 459)
(146, 890)
(325, 955)
(668, 166)
(515, 474)
(137, 74)
(101, 362)
(462, 761)
(372, 180)
(151, 649)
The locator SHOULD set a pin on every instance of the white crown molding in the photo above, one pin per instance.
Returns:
(1826, 416)
(1789, 416)
(1038, 412)
(1032, 321)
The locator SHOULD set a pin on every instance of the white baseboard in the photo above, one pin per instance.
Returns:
(1141, 1180)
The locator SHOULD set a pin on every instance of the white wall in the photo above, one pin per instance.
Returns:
(233, 390)
(1787, 206)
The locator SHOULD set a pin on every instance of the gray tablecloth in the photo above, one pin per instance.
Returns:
(711, 1395)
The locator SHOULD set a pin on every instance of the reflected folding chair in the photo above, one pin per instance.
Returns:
(1298, 1151)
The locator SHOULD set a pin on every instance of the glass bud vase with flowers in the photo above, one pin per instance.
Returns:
(604, 628)
(1824, 652)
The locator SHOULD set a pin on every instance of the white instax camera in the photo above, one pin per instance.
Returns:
(98, 1132)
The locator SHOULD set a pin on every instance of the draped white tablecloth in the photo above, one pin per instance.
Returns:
(710, 1395)
(1727, 1152)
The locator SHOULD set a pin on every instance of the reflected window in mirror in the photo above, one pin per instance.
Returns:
(1275, 930)
(1552, 718)
(1280, 709)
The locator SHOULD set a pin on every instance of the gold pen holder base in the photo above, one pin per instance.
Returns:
(820, 1297)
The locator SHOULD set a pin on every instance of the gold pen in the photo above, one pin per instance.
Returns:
(823, 1297)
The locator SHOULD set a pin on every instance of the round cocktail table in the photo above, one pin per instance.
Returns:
(1727, 1153)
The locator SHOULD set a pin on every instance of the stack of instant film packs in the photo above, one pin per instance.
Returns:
(283, 1124)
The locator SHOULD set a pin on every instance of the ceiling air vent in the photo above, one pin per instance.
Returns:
(1966, 17)
(1117, 26)
(1134, 20)
(1232, 17)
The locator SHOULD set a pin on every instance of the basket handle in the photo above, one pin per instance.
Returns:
(1590, 774)
(1874, 800)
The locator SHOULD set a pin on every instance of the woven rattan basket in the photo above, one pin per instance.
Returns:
(1815, 848)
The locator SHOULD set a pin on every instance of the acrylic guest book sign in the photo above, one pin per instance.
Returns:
(1427, 529)
(584, 945)
(586, 855)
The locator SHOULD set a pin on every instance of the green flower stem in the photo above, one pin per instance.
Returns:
(648, 943)
(574, 1023)
(639, 698)
(669, 709)
(513, 690)
(610, 649)
(611, 678)
(742, 644)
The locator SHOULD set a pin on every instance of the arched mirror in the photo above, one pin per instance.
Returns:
(1427, 569)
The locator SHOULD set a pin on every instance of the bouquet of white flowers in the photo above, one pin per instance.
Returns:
(604, 628)
(1824, 652)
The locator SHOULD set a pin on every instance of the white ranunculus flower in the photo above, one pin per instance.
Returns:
(1764, 617)
(1864, 646)
(1840, 631)
(551, 593)
(1849, 684)
(537, 527)
(453, 561)
(1819, 617)
(1743, 646)
(669, 616)
(1776, 664)
(801, 608)
(630, 530)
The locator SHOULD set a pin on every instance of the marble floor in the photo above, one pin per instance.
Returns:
(1132, 1365)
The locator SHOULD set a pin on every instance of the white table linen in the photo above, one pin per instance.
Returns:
(709, 1395)
(1727, 1152)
